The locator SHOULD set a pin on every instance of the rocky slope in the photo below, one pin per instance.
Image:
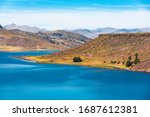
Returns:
(107, 50)
(143, 66)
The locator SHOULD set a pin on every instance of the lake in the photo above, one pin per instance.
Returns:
(24, 80)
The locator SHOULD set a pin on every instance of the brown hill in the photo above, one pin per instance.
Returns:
(107, 50)
(64, 38)
(19, 41)
(16, 40)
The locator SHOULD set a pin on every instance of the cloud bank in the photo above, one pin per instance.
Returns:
(78, 19)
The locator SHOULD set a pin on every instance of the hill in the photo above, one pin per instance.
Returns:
(15, 40)
(64, 38)
(107, 50)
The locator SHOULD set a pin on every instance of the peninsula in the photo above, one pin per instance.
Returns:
(129, 51)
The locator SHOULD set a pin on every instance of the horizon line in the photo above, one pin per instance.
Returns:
(74, 28)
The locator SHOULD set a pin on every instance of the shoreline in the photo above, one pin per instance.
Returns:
(21, 59)
(82, 65)
(38, 50)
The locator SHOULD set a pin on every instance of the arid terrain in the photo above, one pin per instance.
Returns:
(10, 41)
(17, 40)
(107, 51)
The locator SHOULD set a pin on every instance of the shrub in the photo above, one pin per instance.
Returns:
(128, 63)
(113, 62)
(118, 63)
(77, 59)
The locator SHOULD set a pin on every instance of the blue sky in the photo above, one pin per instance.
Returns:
(73, 4)
(54, 14)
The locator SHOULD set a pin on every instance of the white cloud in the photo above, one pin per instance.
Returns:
(78, 19)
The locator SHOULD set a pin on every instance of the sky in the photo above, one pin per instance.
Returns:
(74, 14)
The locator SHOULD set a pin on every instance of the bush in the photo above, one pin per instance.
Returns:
(118, 63)
(77, 59)
(128, 63)
(113, 62)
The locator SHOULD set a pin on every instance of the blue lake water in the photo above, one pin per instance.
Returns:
(23, 80)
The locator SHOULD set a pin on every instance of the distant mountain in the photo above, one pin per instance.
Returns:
(145, 29)
(62, 37)
(24, 28)
(85, 32)
(1, 26)
(94, 33)
(107, 51)
(104, 30)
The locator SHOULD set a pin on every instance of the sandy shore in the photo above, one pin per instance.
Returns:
(94, 64)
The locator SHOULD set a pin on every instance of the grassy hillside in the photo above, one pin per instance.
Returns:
(107, 50)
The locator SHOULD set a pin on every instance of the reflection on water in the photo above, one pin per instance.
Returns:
(27, 80)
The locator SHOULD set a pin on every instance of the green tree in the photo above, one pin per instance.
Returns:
(128, 63)
(77, 59)
(137, 59)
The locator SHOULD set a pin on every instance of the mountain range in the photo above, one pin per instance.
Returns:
(24, 28)
(94, 33)
(85, 32)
